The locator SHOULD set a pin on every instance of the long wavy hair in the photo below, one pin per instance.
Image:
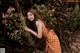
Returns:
(36, 15)
(33, 26)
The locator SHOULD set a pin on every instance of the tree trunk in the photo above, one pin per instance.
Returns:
(32, 43)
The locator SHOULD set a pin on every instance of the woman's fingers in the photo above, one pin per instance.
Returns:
(25, 27)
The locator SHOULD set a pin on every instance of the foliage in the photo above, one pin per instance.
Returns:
(71, 23)
(14, 28)
(46, 14)
(65, 19)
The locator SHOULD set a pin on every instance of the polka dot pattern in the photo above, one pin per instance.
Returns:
(52, 41)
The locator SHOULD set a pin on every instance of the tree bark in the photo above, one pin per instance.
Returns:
(32, 43)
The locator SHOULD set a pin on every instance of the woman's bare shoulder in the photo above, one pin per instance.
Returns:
(38, 23)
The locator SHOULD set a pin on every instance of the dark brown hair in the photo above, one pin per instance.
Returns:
(37, 16)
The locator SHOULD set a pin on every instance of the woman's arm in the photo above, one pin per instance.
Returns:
(39, 29)
(31, 31)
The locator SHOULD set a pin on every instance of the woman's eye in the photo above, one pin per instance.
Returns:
(30, 14)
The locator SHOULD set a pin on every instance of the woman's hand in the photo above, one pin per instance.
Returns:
(39, 27)
(29, 30)
(26, 28)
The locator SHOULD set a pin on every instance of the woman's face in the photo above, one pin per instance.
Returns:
(30, 16)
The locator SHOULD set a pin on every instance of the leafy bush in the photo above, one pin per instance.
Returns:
(13, 26)
(47, 14)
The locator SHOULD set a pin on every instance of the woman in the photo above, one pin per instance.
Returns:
(52, 41)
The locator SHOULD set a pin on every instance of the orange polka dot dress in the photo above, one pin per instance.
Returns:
(52, 41)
